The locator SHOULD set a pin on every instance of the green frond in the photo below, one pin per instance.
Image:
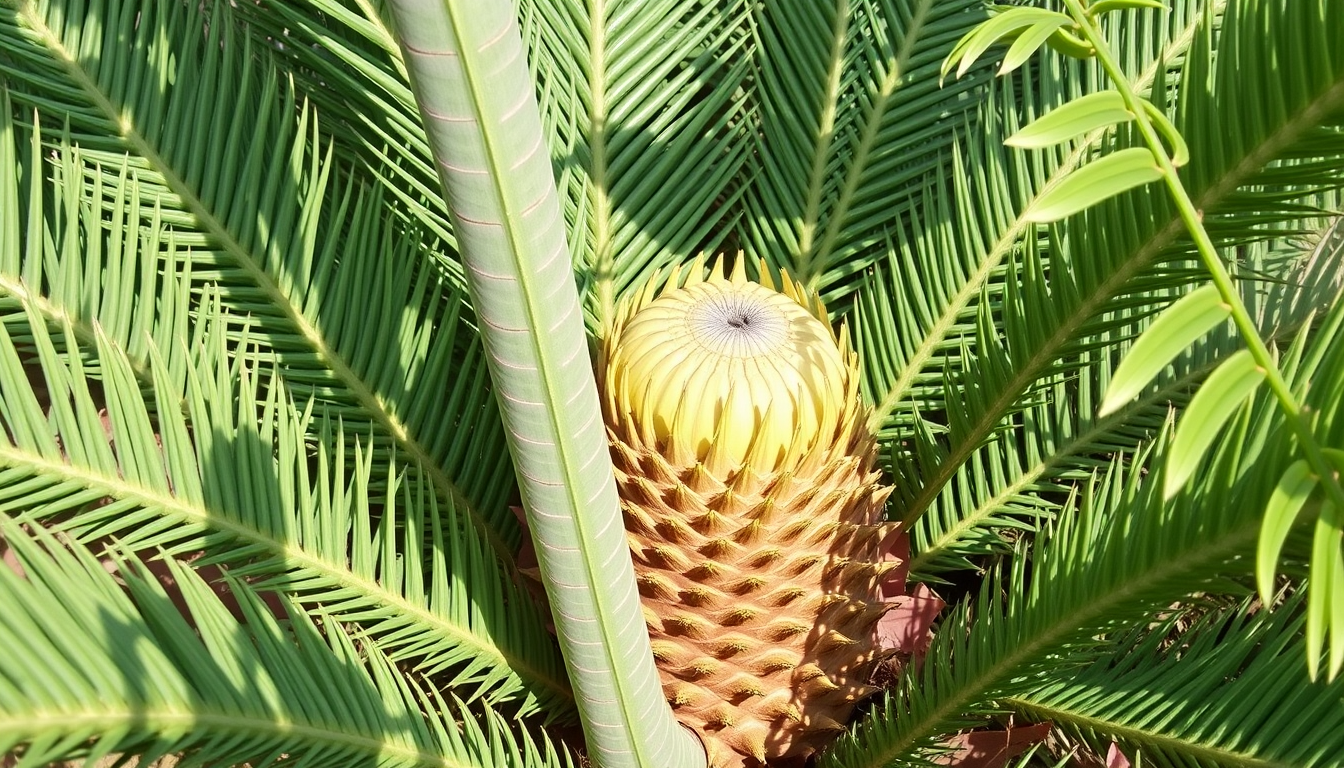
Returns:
(955, 241)
(852, 117)
(1085, 580)
(1106, 566)
(237, 355)
(228, 476)
(1057, 438)
(1099, 271)
(294, 241)
(646, 100)
(1230, 690)
(645, 122)
(128, 276)
(345, 61)
(97, 664)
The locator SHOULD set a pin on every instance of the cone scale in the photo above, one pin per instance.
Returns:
(753, 508)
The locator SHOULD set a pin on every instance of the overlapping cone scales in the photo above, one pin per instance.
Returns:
(761, 597)
(758, 563)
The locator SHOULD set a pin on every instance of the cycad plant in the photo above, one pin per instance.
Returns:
(303, 305)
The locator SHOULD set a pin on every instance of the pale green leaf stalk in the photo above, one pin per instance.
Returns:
(469, 70)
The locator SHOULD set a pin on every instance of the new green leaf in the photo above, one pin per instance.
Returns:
(1174, 330)
(1071, 45)
(1101, 179)
(1325, 594)
(1106, 6)
(1011, 22)
(1180, 151)
(1292, 492)
(1080, 116)
(1325, 591)
(1223, 392)
(1028, 42)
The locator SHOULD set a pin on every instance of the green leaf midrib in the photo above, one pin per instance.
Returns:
(57, 313)
(1191, 750)
(956, 306)
(868, 137)
(1226, 184)
(807, 264)
(152, 720)
(294, 558)
(367, 398)
(603, 259)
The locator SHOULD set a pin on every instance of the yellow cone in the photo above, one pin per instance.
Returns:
(753, 507)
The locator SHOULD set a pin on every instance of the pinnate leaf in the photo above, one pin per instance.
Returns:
(1101, 179)
(1179, 326)
(1222, 393)
(1093, 111)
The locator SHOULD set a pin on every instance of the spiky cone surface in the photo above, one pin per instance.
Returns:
(746, 472)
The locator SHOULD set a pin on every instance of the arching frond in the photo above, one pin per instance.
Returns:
(646, 123)
(1058, 439)
(235, 349)
(344, 59)
(1101, 271)
(96, 665)
(1123, 554)
(919, 307)
(294, 241)
(1232, 690)
(960, 235)
(231, 480)
(852, 118)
